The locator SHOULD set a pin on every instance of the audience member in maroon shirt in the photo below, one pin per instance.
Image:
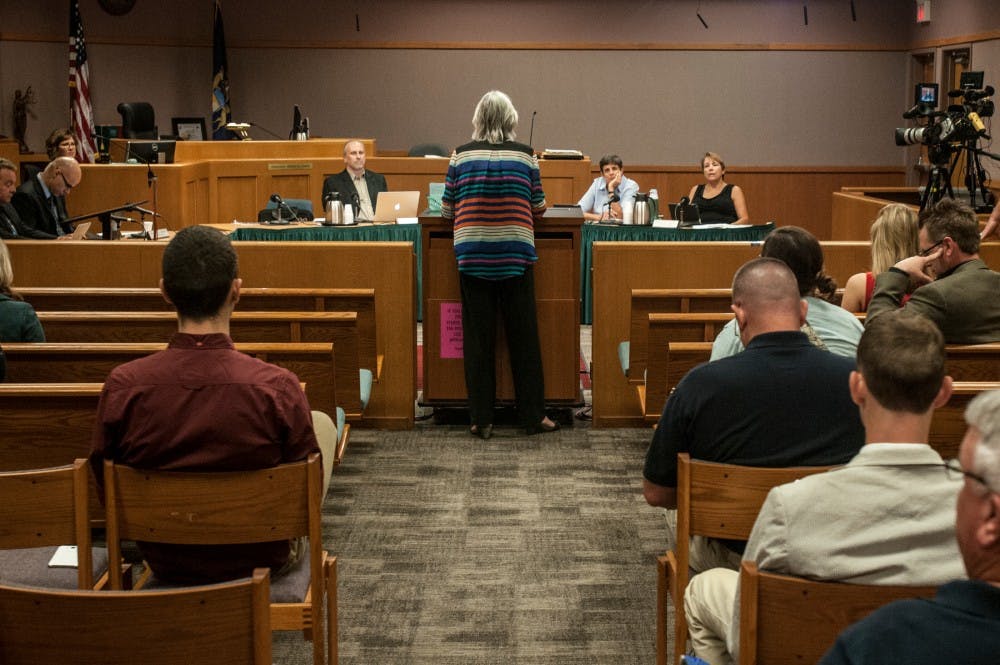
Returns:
(202, 405)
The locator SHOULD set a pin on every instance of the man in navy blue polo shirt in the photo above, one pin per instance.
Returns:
(782, 402)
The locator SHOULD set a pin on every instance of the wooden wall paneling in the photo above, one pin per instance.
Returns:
(194, 151)
(294, 185)
(237, 195)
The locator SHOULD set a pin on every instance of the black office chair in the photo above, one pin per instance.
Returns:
(138, 120)
(422, 149)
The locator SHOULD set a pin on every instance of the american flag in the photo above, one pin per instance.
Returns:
(79, 87)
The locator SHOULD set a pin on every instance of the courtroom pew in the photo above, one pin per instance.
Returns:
(973, 362)
(620, 267)
(47, 425)
(668, 363)
(101, 299)
(948, 425)
(52, 424)
(337, 327)
(633, 352)
(61, 362)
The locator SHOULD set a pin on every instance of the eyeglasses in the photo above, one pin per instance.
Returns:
(930, 250)
(65, 181)
(955, 472)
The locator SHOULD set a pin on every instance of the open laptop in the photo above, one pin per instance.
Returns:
(80, 232)
(390, 206)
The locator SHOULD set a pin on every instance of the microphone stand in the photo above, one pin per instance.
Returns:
(151, 182)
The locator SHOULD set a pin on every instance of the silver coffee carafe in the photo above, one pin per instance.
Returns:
(641, 211)
(334, 209)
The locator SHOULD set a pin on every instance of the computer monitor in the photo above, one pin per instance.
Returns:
(150, 151)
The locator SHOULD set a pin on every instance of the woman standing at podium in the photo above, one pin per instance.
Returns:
(493, 191)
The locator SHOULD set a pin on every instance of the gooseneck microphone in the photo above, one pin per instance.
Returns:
(280, 203)
(681, 208)
(531, 133)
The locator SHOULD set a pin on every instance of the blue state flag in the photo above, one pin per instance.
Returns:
(221, 112)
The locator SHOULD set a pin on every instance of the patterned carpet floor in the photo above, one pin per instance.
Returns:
(517, 550)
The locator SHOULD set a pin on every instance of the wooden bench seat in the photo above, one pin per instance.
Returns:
(667, 301)
(948, 425)
(49, 425)
(670, 361)
(667, 366)
(973, 362)
(99, 299)
(245, 326)
(52, 362)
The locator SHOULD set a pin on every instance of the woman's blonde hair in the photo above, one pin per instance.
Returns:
(894, 236)
(6, 272)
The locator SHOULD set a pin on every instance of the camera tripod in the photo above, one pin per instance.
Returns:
(939, 178)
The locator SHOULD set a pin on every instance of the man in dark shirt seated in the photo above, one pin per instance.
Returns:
(356, 185)
(11, 226)
(782, 402)
(41, 201)
(202, 405)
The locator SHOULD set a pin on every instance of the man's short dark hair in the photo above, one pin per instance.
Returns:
(901, 357)
(954, 219)
(199, 266)
(610, 159)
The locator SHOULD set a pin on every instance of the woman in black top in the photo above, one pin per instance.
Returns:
(718, 202)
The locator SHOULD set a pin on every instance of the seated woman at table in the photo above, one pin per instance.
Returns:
(894, 237)
(61, 143)
(829, 327)
(718, 202)
(18, 321)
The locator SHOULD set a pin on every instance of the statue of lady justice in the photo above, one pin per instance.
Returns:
(22, 102)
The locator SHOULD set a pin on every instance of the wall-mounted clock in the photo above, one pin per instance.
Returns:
(117, 7)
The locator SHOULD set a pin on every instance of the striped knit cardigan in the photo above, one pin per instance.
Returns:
(494, 194)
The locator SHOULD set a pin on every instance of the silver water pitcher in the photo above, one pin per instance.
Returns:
(640, 212)
(334, 210)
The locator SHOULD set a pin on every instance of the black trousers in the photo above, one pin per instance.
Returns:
(514, 300)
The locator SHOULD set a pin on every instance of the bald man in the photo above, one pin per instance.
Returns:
(356, 185)
(782, 402)
(41, 201)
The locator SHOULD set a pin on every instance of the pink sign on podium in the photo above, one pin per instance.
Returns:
(451, 330)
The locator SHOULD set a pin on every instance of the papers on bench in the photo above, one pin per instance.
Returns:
(556, 153)
(65, 557)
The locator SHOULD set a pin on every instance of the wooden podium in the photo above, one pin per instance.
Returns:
(557, 292)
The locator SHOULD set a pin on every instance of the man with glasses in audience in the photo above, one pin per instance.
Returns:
(961, 624)
(41, 201)
(886, 517)
(951, 285)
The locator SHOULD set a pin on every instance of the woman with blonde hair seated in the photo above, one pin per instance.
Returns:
(18, 321)
(894, 237)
